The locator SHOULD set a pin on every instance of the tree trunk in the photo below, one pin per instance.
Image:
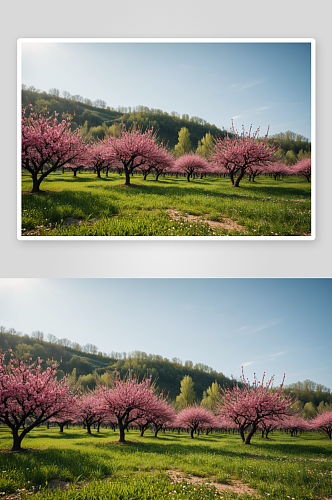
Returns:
(239, 177)
(250, 435)
(241, 434)
(188, 179)
(35, 184)
(122, 434)
(192, 433)
(127, 183)
(61, 427)
(17, 440)
(98, 174)
(75, 172)
(88, 427)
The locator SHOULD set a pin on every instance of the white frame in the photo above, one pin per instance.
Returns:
(312, 41)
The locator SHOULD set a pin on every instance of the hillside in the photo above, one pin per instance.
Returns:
(95, 116)
(167, 125)
(86, 361)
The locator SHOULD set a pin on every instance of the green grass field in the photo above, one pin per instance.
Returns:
(97, 467)
(169, 207)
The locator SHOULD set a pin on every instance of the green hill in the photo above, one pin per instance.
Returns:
(88, 361)
(166, 124)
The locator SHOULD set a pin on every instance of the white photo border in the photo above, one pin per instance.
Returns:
(312, 41)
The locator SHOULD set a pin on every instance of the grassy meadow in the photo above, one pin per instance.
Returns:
(88, 206)
(82, 466)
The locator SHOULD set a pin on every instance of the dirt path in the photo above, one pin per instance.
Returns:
(227, 223)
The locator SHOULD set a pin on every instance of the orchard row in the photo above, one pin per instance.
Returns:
(30, 397)
(48, 145)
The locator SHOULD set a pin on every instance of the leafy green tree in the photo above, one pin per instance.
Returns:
(187, 394)
(323, 406)
(290, 158)
(211, 396)
(205, 145)
(184, 144)
(309, 411)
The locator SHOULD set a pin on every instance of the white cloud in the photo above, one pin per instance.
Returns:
(247, 364)
(235, 117)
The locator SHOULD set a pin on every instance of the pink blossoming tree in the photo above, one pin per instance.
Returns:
(47, 145)
(195, 417)
(128, 400)
(134, 148)
(191, 163)
(29, 397)
(303, 168)
(237, 153)
(249, 404)
(90, 410)
(323, 422)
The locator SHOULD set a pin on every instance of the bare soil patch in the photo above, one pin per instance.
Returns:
(236, 486)
(227, 223)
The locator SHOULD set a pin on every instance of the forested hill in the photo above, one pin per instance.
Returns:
(94, 116)
(86, 360)
(98, 114)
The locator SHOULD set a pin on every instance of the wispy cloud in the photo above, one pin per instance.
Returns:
(235, 117)
(264, 107)
(251, 84)
(264, 326)
(277, 354)
(247, 85)
(247, 364)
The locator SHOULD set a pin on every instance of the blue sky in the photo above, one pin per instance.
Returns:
(263, 84)
(273, 325)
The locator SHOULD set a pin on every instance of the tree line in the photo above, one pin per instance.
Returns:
(30, 396)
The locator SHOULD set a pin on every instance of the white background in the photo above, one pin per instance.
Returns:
(180, 19)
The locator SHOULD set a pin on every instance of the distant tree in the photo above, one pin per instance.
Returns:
(66, 94)
(89, 410)
(159, 415)
(205, 145)
(290, 158)
(295, 424)
(323, 421)
(237, 152)
(194, 417)
(191, 163)
(29, 397)
(211, 396)
(309, 411)
(187, 394)
(55, 92)
(323, 406)
(37, 335)
(184, 144)
(303, 168)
